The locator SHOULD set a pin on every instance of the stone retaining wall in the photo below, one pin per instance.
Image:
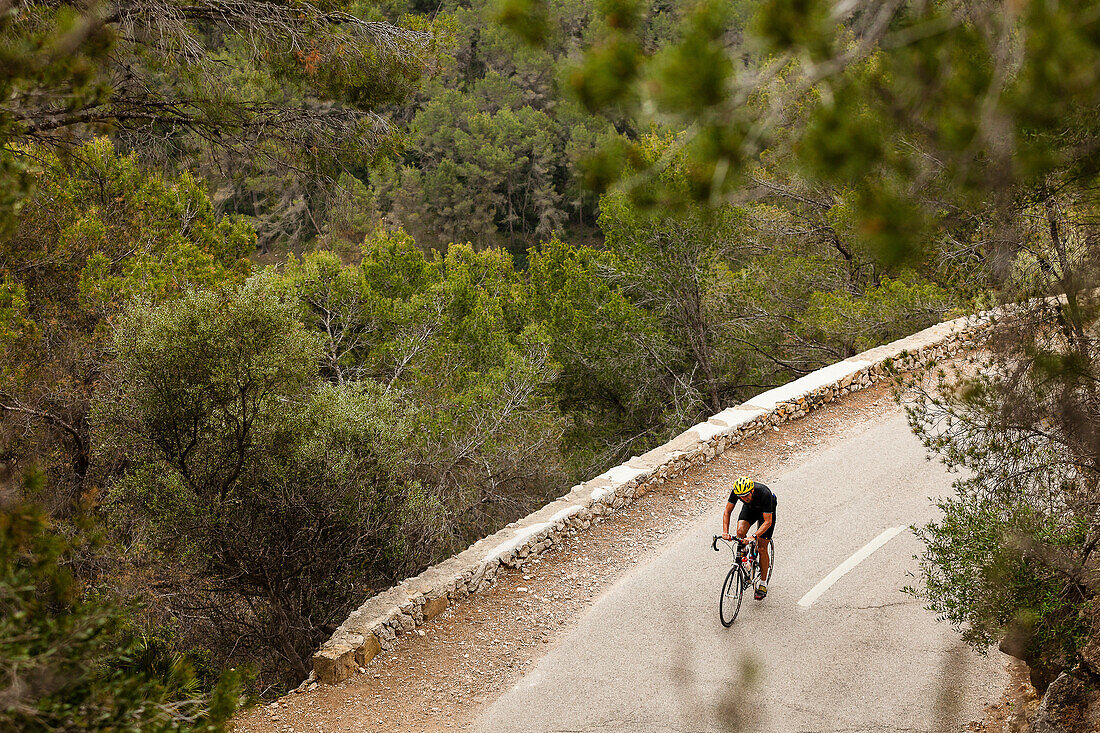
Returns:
(374, 627)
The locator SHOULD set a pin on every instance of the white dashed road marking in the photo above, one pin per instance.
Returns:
(859, 556)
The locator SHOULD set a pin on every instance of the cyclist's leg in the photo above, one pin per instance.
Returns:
(746, 519)
(764, 546)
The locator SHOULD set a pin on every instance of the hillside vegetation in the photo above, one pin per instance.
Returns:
(298, 299)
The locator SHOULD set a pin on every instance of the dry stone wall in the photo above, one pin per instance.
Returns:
(375, 626)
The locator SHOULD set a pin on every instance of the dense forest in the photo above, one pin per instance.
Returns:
(298, 298)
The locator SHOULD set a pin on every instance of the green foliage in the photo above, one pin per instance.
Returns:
(98, 232)
(795, 25)
(477, 173)
(1056, 90)
(745, 286)
(975, 577)
(499, 145)
(69, 658)
(687, 309)
(895, 307)
(611, 382)
(112, 231)
(183, 67)
(678, 267)
(1012, 560)
(452, 341)
(528, 19)
(917, 110)
(54, 48)
(981, 569)
(606, 78)
(17, 327)
(269, 102)
(282, 490)
(693, 75)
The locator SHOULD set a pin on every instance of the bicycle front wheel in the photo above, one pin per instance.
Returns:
(771, 561)
(733, 590)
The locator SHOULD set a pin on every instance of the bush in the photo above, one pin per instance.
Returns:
(976, 576)
(276, 495)
(70, 659)
(1012, 560)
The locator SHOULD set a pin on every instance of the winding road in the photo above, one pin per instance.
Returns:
(856, 655)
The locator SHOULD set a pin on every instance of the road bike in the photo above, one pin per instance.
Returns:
(744, 574)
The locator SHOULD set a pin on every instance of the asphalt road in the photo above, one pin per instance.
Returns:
(651, 654)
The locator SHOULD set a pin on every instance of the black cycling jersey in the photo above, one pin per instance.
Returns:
(763, 500)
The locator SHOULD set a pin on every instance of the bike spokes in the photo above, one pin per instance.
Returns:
(733, 590)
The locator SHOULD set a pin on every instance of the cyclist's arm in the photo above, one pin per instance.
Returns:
(726, 520)
(765, 523)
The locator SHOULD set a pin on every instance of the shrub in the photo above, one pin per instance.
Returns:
(69, 657)
(276, 494)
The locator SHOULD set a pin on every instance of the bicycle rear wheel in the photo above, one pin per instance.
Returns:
(733, 590)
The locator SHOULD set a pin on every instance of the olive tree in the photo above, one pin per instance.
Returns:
(277, 494)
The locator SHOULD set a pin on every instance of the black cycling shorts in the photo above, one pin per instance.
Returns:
(753, 516)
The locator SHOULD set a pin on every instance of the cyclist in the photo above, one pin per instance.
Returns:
(759, 507)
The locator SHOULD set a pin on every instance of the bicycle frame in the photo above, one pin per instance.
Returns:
(742, 549)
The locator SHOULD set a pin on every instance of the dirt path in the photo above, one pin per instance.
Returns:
(442, 677)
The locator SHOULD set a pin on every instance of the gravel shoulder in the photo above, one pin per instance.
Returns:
(444, 675)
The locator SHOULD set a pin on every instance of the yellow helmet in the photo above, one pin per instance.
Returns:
(743, 485)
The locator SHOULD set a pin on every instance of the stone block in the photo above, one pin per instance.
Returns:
(475, 581)
(368, 651)
(335, 663)
(434, 607)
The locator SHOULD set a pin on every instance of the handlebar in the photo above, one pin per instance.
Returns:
(740, 540)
